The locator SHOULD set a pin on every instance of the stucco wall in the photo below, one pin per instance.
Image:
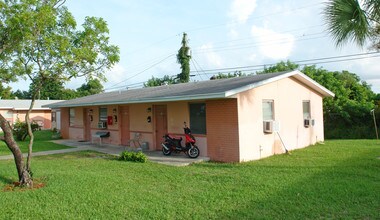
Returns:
(222, 130)
(178, 112)
(8, 115)
(65, 123)
(288, 95)
(138, 118)
(42, 117)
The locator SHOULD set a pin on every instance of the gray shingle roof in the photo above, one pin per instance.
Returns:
(23, 104)
(221, 88)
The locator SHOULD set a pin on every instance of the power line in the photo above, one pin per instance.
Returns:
(237, 47)
(258, 35)
(252, 18)
(196, 69)
(150, 67)
(271, 64)
(257, 67)
(220, 25)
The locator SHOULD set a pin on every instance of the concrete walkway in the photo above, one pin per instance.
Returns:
(154, 156)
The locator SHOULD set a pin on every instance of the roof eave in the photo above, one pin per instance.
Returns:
(148, 100)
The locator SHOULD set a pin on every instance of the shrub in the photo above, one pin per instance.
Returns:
(133, 156)
(20, 129)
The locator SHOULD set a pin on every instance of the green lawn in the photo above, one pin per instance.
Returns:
(41, 143)
(337, 180)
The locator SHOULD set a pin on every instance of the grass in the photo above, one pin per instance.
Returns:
(41, 143)
(337, 180)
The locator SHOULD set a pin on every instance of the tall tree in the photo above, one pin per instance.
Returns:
(40, 41)
(21, 94)
(166, 80)
(279, 67)
(348, 20)
(5, 92)
(227, 75)
(93, 86)
(183, 58)
(51, 89)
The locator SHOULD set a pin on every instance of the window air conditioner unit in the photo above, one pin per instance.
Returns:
(268, 127)
(102, 124)
(308, 122)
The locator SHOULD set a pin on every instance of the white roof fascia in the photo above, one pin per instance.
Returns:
(257, 84)
(313, 84)
(295, 73)
(33, 109)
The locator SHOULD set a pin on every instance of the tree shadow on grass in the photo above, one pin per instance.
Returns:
(5, 180)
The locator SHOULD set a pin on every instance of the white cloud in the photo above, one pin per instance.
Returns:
(233, 33)
(211, 56)
(115, 74)
(242, 9)
(271, 44)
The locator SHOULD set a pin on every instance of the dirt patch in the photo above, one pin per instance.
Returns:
(15, 186)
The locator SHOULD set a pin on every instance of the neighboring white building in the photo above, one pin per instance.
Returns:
(16, 109)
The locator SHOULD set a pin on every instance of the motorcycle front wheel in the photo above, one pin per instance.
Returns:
(166, 152)
(193, 152)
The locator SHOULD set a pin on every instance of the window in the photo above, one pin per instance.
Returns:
(102, 114)
(72, 116)
(306, 109)
(268, 113)
(198, 118)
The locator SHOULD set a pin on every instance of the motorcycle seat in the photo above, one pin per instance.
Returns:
(175, 138)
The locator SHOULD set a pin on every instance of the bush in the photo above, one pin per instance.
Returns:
(133, 156)
(20, 129)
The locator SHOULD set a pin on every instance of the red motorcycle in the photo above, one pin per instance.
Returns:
(173, 144)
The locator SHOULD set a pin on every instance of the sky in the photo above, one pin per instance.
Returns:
(224, 36)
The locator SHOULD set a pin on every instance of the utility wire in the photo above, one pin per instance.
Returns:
(258, 35)
(199, 66)
(227, 48)
(271, 64)
(150, 67)
(257, 67)
(192, 61)
(252, 18)
(219, 25)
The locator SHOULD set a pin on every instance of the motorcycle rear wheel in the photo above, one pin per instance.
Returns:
(166, 152)
(193, 152)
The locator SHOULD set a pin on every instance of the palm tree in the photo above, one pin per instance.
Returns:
(349, 20)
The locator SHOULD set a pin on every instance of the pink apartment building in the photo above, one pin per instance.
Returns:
(234, 120)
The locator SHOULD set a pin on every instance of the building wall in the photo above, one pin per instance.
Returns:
(8, 115)
(42, 117)
(65, 126)
(76, 130)
(222, 130)
(288, 95)
(177, 113)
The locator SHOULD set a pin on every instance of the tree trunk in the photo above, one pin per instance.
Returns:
(31, 135)
(23, 174)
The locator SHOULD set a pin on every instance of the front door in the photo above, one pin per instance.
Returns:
(87, 124)
(124, 125)
(160, 124)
